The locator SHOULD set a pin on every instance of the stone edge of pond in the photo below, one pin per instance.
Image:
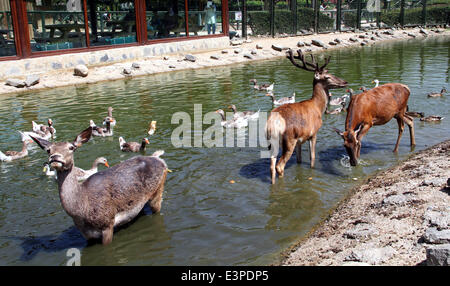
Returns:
(363, 249)
(255, 49)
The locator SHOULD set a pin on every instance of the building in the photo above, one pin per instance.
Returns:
(36, 28)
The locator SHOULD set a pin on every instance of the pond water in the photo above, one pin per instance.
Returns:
(205, 219)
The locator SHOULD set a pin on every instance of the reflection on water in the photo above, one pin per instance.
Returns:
(206, 220)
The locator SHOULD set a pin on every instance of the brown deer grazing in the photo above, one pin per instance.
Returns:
(108, 198)
(292, 124)
(376, 106)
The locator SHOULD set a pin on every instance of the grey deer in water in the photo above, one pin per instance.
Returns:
(108, 198)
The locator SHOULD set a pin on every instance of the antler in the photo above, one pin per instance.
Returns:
(306, 66)
(313, 66)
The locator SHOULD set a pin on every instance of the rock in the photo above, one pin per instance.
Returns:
(190, 58)
(126, 71)
(248, 56)
(439, 219)
(81, 70)
(423, 31)
(434, 236)
(337, 40)
(307, 44)
(438, 255)
(373, 256)
(363, 43)
(318, 43)
(332, 43)
(373, 38)
(300, 44)
(136, 65)
(412, 35)
(224, 52)
(236, 42)
(15, 82)
(353, 39)
(215, 57)
(362, 36)
(397, 200)
(361, 231)
(387, 32)
(259, 47)
(166, 58)
(435, 182)
(32, 80)
(172, 66)
(278, 48)
(248, 41)
(253, 52)
(354, 263)
(237, 51)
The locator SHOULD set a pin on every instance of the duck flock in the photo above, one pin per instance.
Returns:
(47, 132)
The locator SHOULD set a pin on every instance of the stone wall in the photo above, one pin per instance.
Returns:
(48, 64)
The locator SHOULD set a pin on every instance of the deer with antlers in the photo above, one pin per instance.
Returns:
(376, 106)
(291, 125)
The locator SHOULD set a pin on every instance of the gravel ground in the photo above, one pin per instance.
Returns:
(384, 221)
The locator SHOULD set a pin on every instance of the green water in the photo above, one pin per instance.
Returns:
(206, 220)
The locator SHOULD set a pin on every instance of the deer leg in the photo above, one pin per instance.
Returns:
(312, 149)
(288, 149)
(298, 151)
(360, 136)
(401, 127)
(410, 123)
(273, 175)
(107, 235)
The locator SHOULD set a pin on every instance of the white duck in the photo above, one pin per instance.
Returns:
(281, 101)
(232, 123)
(43, 128)
(339, 100)
(152, 128)
(112, 120)
(84, 174)
(97, 131)
(250, 115)
(48, 171)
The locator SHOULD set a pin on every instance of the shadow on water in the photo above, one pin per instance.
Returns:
(69, 238)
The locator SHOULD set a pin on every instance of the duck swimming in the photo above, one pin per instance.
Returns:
(283, 100)
(111, 119)
(152, 128)
(432, 118)
(265, 86)
(84, 174)
(43, 128)
(376, 82)
(132, 146)
(244, 114)
(437, 94)
(339, 100)
(9, 156)
(238, 122)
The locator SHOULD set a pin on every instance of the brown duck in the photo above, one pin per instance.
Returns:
(132, 146)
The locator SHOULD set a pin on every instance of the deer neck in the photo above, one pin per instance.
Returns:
(320, 96)
(70, 192)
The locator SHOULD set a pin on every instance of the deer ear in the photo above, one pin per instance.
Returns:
(44, 144)
(83, 137)
(339, 132)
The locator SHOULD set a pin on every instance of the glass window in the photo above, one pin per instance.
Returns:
(165, 19)
(111, 22)
(56, 24)
(205, 17)
(7, 45)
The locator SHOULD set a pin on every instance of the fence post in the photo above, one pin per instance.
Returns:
(338, 15)
(244, 19)
(358, 14)
(294, 16)
(272, 18)
(316, 16)
(424, 12)
(402, 13)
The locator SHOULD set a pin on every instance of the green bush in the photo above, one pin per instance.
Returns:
(259, 21)
(414, 16)
(349, 19)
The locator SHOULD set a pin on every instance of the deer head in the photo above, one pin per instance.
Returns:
(351, 143)
(321, 75)
(61, 153)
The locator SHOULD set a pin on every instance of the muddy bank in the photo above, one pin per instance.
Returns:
(389, 220)
(254, 49)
